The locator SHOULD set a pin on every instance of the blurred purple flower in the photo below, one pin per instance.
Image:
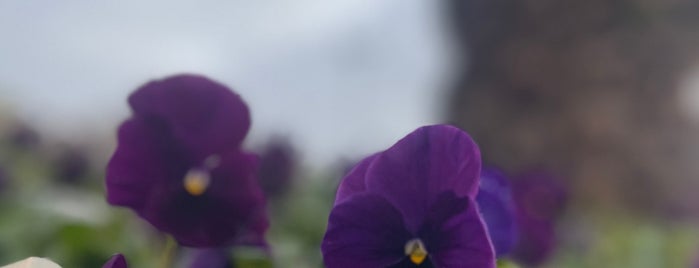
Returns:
(411, 206)
(116, 261)
(541, 194)
(4, 180)
(211, 258)
(276, 167)
(541, 199)
(71, 165)
(24, 137)
(497, 207)
(178, 164)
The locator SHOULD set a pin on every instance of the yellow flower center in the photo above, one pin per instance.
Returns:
(416, 250)
(196, 181)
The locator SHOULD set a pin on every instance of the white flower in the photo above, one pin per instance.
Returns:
(33, 262)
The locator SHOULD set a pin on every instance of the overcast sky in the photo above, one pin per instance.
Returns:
(342, 78)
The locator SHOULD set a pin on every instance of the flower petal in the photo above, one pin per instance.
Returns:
(137, 164)
(364, 231)
(204, 115)
(211, 258)
(456, 235)
(427, 162)
(116, 261)
(498, 211)
(33, 262)
(354, 181)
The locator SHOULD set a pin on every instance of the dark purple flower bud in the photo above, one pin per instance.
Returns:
(276, 167)
(178, 164)
(540, 194)
(23, 136)
(540, 200)
(71, 165)
(411, 206)
(498, 210)
(211, 258)
(116, 261)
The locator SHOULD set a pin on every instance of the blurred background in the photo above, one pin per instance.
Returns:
(602, 93)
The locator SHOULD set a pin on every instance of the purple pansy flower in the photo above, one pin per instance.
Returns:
(498, 210)
(179, 165)
(211, 258)
(540, 200)
(411, 206)
(276, 167)
(116, 261)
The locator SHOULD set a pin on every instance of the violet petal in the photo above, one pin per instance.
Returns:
(116, 261)
(497, 207)
(211, 258)
(364, 231)
(354, 181)
(135, 166)
(456, 234)
(428, 161)
(202, 114)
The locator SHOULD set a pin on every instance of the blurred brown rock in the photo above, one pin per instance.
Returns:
(587, 88)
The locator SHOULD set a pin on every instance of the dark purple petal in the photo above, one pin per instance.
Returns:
(498, 211)
(211, 258)
(202, 115)
(364, 231)
(137, 165)
(116, 261)
(353, 182)
(429, 161)
(455, 234)
(276, 168)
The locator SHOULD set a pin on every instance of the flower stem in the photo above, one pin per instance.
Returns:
(168, 252)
